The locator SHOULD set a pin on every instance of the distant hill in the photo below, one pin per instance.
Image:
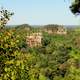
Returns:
(23, 26)
(40, 26)
(37, 26)
(11, 25)
(71, 26)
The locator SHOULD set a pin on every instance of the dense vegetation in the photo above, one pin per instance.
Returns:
(57, 59)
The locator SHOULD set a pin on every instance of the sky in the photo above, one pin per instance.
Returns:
(40, 12)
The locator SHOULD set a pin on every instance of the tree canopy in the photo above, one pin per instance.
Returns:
(75, 7)
(4, 17)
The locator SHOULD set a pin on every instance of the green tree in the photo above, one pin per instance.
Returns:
(4, 17)
(75, 7)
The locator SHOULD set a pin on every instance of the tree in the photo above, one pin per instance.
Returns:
(75, 7)
(4, 17)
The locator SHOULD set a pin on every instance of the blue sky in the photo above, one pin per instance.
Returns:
(40, 12)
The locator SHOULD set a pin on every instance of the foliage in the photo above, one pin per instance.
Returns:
(75, 7)
(4, 17)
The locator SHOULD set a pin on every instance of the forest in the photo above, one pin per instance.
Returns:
(50, 52)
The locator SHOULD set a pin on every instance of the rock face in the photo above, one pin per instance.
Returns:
(56, 30)
(34, 40)
(61, 30)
